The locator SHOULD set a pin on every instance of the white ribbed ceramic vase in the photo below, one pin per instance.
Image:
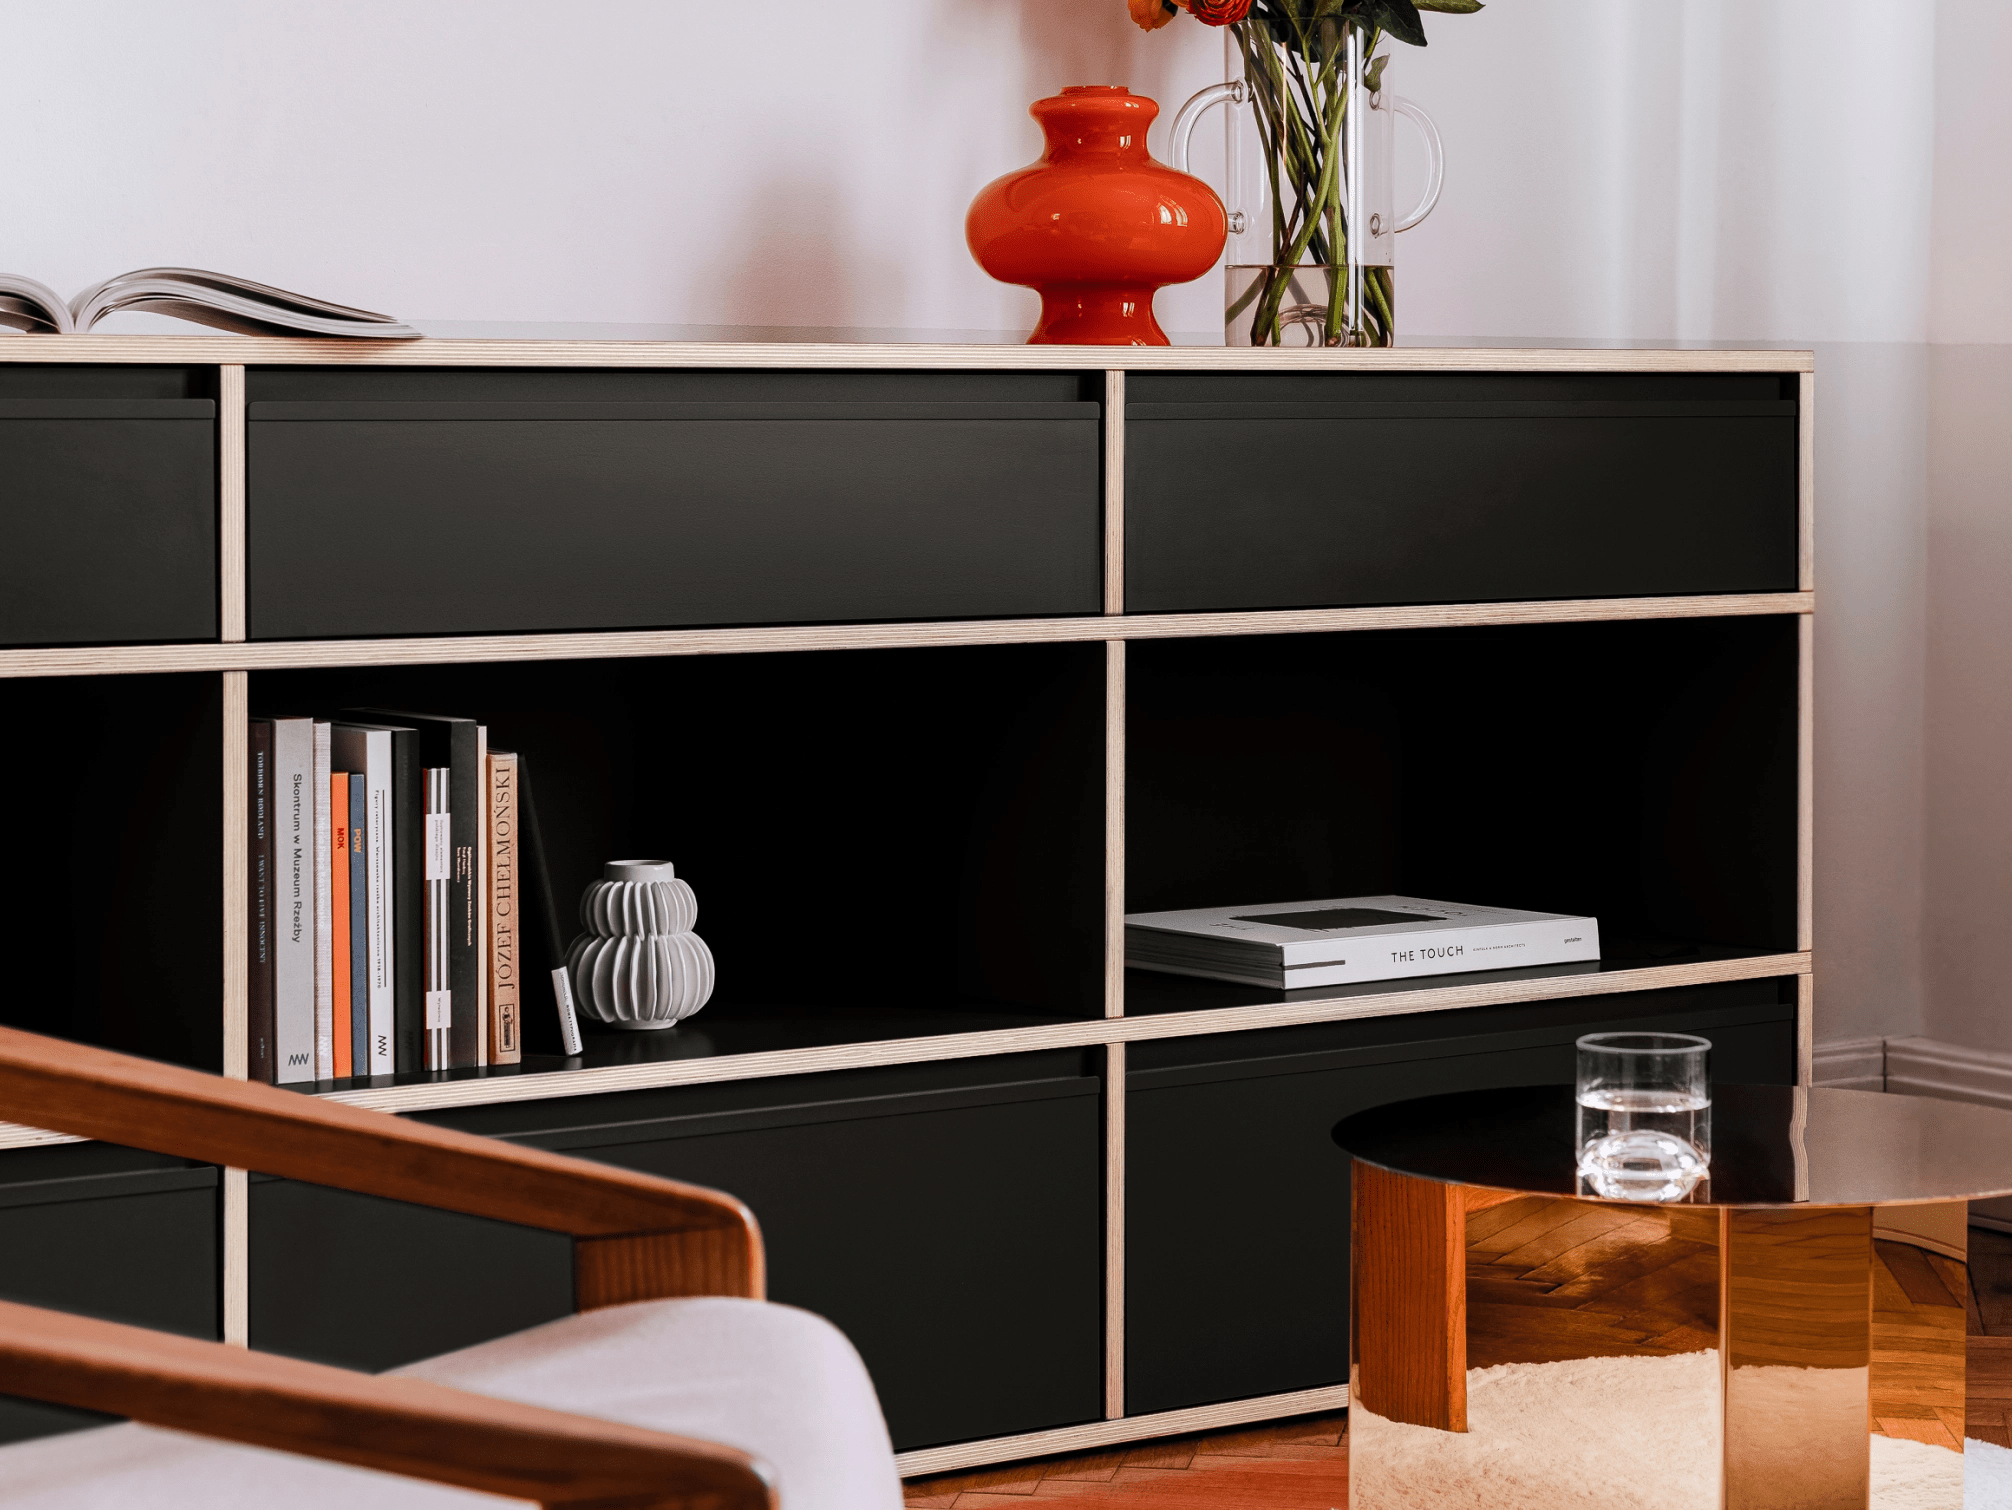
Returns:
(639, 965)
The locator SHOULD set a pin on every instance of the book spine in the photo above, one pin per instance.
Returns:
(465, 902)
(324, 922)
(505, 1043)
(293, 854)
(408, 903)
(359, 924)
(338, 919)
(1510, 944)
(1554, 941)
(259, 859)
(439, 918)
(478, 897)
(382, 901)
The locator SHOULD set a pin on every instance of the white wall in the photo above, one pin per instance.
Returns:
(1968, 915)
(1721, 172)
(633, 160)
(1969, 697)
(1971, 298)
(1619, 169)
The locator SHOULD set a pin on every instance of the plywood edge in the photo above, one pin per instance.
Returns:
(236, 1243)
(1805, 481)
(1805, 1031)
(286, 351)
(234, 842)
(20, 1135)
(441, 650)
(1170, 1423)
(1088, 1033)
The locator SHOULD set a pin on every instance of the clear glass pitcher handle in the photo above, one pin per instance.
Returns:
(1183, 134)
(1435, 157)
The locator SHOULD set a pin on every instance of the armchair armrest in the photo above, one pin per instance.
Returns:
(405, 1426)
(637, 1237)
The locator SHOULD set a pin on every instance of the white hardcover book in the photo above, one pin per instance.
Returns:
(369, 751)
(1293, 945)
(324, 912)
(293, 866)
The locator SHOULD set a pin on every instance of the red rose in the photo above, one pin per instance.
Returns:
(1151, 14)
(1218, 12)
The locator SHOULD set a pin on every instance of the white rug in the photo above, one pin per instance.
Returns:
(1625, 1434)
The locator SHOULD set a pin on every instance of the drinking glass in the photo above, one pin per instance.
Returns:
(1645, 1114)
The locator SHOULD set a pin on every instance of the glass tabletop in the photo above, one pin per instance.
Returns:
(1771, 1145)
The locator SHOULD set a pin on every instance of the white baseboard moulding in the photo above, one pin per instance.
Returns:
(1850, 1064)
(1929, 1067)
(1925, 1067)
(1092, 1434)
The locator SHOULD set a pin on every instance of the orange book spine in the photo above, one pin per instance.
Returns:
(338, 881)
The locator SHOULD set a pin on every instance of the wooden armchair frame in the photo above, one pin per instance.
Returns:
(636, 1237)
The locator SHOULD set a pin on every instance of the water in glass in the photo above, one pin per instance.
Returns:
(1643, 1144)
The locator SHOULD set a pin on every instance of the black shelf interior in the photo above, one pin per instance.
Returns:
(892, 843)
(115, 888)
(1643, 773)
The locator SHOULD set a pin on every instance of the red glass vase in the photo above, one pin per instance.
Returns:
(1096, 226)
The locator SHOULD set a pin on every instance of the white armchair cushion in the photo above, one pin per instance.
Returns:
(771, 1380)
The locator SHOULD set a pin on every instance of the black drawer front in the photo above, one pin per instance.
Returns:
(1259, 1306)
(108, 531)
(948, 1218)
(366, 1283)
(490, 506)
(956, 1237)
(1288, 490)
(108, 1232)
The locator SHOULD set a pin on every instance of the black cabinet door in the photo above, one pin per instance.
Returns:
(108, 1232)
(1236, 1227)
(1264, 490)
(632, 500)
(108, 503)
(947, 1217)
(956, 1238)
(366, 1283)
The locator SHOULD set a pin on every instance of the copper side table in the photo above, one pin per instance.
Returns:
(1824, 1261)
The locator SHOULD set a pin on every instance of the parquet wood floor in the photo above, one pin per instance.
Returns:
(1284, 1465)
(1989, 1416)
(1550, 1279)
(1918, 1324)
(1547, 1280)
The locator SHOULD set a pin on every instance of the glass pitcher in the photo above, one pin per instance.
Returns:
(1310, 185)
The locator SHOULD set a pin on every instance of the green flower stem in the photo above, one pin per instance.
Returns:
(1299, 104)
(1325, 192)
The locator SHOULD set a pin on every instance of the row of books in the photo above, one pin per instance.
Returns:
(384, 897)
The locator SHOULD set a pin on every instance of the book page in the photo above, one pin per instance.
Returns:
(228, 303)
(31, 306)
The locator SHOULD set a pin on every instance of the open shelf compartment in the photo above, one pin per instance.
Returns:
(1641, 773)
(883, 843)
